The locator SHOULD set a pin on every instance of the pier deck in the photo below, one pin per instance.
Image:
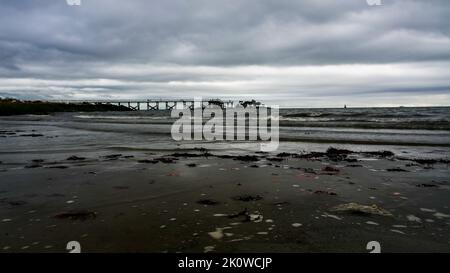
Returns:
(156, 104)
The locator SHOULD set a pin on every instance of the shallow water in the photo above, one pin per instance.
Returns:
(415, 132)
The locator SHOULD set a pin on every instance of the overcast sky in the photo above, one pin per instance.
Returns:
(313, 53)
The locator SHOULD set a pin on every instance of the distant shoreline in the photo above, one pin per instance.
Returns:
(10, 107)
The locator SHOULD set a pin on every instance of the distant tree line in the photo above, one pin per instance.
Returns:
(11, 106)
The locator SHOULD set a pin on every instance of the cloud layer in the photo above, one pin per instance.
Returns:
(293, 53)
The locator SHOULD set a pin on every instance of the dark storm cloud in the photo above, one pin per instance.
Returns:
(192, 47)
(232, 32)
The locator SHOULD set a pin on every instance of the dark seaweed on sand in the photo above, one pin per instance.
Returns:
(15, 203)
(285, 155)
(75, 158)
(148, 161)
(335, 154)
(247, 198)
(354, 165)
(166, 160)
(325, 192)
(225, 156)
(38, 160)
(205, 154)
(76, 215)
(112, 157)
(380, 153)
(207, 202)
(275, 159)
(424, 185)
(330, 170)
(246, 158)
(396, 170)
(31, 135)
(32, 166)
(242, 214)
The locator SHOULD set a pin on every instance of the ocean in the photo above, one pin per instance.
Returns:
(407, 131)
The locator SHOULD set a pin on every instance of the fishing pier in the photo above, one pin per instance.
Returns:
(157, 104)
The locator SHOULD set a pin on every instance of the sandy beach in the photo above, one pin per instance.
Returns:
(198, 200)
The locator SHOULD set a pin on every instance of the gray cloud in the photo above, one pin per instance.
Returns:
(288, 52)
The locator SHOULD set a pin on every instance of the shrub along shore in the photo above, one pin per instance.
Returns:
(9, 107)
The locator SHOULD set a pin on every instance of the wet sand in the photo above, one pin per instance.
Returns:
(200, 202)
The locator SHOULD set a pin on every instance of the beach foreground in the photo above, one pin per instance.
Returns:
(118, 182)
(197, 201)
